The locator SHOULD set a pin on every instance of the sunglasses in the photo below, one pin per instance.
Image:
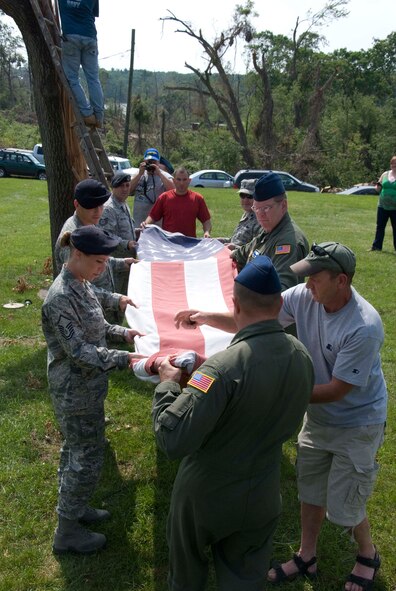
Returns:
(322, 252)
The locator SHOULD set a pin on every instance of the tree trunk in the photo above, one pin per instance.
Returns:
(265, 125)
(49, 102)
(310, 149)
(222, 94)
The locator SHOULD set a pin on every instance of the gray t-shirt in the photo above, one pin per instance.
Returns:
(344, 344)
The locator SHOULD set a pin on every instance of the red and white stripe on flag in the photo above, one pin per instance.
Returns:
(161, 288)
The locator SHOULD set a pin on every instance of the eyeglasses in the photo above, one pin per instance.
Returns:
(264, 209)
(322, 252)
(245, 196)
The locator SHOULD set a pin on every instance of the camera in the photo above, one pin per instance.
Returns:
(150, 167)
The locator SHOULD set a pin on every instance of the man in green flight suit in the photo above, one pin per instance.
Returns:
(229, 424)
(280, 238)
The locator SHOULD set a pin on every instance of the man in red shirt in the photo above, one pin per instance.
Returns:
(179, 208)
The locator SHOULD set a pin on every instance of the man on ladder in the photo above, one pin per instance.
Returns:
(80, 47)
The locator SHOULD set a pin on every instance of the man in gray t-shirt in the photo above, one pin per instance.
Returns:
(344, 424)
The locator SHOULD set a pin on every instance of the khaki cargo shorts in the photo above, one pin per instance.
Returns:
(336, 468)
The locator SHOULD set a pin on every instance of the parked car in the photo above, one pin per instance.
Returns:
(359, 190)
(122, 164)
(211, 178)
(21, 163)
(290, 182)
(38, 153)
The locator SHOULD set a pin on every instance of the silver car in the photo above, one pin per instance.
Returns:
(211, 178)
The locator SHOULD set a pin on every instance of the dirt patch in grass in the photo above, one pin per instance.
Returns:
(48, 444)
(25, 341)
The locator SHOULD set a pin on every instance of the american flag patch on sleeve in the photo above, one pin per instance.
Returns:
(282, 249)
(200, 381)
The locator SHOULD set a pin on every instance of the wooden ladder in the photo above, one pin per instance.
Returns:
(89, 139)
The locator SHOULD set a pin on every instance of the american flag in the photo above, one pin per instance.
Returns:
(156, 244)
(282, 249)
(176, 272)
(200, 381)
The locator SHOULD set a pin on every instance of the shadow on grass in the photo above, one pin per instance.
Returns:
(116, 567)
(166, 474)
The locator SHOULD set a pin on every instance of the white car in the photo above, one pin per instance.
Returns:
(122, 165)
(211, 178)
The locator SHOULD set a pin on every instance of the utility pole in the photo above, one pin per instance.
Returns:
(129, 96)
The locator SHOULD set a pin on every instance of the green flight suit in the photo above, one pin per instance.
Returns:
(284, 245)
(226, 494)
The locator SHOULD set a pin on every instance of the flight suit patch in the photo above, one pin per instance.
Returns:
(200, 381)
(283, 249)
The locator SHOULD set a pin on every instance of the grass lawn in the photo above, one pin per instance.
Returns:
(137, 479)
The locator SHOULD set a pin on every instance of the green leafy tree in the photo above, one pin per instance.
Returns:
(10, 60)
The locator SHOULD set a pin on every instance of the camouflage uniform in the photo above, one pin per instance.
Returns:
(285, 245)
(229, 424)
(117, 220)
(105, 286)
(78, 361)
(246, 230)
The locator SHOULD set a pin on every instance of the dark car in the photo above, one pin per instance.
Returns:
(359, 190)
(21, 163)
(290, 182)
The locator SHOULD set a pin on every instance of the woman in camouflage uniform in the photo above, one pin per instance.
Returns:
(78, 361)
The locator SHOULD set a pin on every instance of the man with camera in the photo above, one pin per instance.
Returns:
(148, 184)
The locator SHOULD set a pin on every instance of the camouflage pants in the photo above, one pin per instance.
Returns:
(81, 461)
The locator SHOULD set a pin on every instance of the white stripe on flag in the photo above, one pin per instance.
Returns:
(204, 292)
(142, 318)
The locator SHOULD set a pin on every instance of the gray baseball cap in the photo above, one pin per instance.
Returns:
(326, 256)
(247, 187)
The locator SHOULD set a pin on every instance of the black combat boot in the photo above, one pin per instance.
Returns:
(92, 515)
(70, 536)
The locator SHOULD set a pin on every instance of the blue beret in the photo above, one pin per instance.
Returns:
(168, 165)
(91, 193)
(93, 240)
(260, 275)
(119, 178)
(268, 186)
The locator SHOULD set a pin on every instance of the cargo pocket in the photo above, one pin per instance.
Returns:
(171, 417)
(361, 486)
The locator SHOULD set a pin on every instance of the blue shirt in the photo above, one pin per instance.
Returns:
(78, 17)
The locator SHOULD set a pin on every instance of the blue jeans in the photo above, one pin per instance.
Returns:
(78, 50)
(383, 215)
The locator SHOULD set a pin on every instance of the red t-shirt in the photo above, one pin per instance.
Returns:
(180, 212)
